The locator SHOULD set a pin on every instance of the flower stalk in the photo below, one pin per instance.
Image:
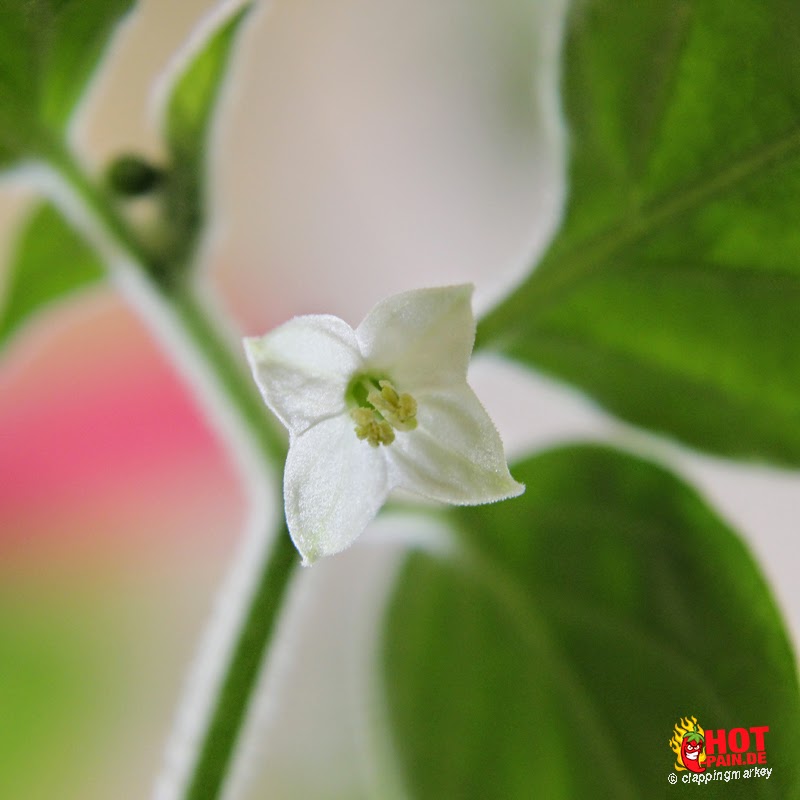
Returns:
(232, 702)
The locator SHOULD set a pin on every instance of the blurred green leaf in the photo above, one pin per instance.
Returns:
(672, 292)
(50, 261)
(191, 103)
(48, 52)
(188, 119)
(65, 692)
(50, 677)
(553, 655)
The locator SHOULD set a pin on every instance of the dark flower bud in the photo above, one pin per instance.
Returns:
(132, 176)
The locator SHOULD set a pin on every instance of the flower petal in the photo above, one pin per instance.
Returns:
(455, 455)
(333, 486)
(303, 367)
(421, 339)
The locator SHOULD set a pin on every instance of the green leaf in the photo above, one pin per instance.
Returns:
(672, 292)
(48, 52)
(54, 662)
(188, 118)
(192, 100)
(552, 656)
(50, 261)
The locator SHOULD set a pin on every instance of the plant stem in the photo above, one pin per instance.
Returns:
(238, 386)
(98, 218)
(222, 733)
(96, 205)
(229, 710)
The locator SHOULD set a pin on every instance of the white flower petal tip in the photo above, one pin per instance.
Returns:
(381, 407)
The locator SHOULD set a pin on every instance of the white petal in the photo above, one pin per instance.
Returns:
(420, 339)
(303, 368)
(455, 455)
(333, 486)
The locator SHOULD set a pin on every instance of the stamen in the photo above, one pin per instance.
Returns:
(380, 409)
(399, 409)
(370, 427)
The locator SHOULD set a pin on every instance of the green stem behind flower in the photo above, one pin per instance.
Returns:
(233, 700)
(168, 288)
(238, 386)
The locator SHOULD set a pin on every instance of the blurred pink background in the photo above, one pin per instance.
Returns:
(364, 148)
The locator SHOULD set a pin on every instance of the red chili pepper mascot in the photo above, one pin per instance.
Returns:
(692, 746)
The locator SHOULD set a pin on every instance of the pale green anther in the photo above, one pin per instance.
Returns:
(371, 428)
(379, 409)
(400, 410)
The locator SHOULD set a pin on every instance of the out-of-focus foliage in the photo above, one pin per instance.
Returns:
(48, 52)
(187, 123)
(672, 292)
(59, 658)
(50, 261)
(553, 656)
(191, 103)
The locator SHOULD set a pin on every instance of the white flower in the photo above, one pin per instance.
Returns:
(381, 407)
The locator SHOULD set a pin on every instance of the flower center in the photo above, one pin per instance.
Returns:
(379, 409)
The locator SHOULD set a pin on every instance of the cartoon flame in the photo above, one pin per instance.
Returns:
(682, 727)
